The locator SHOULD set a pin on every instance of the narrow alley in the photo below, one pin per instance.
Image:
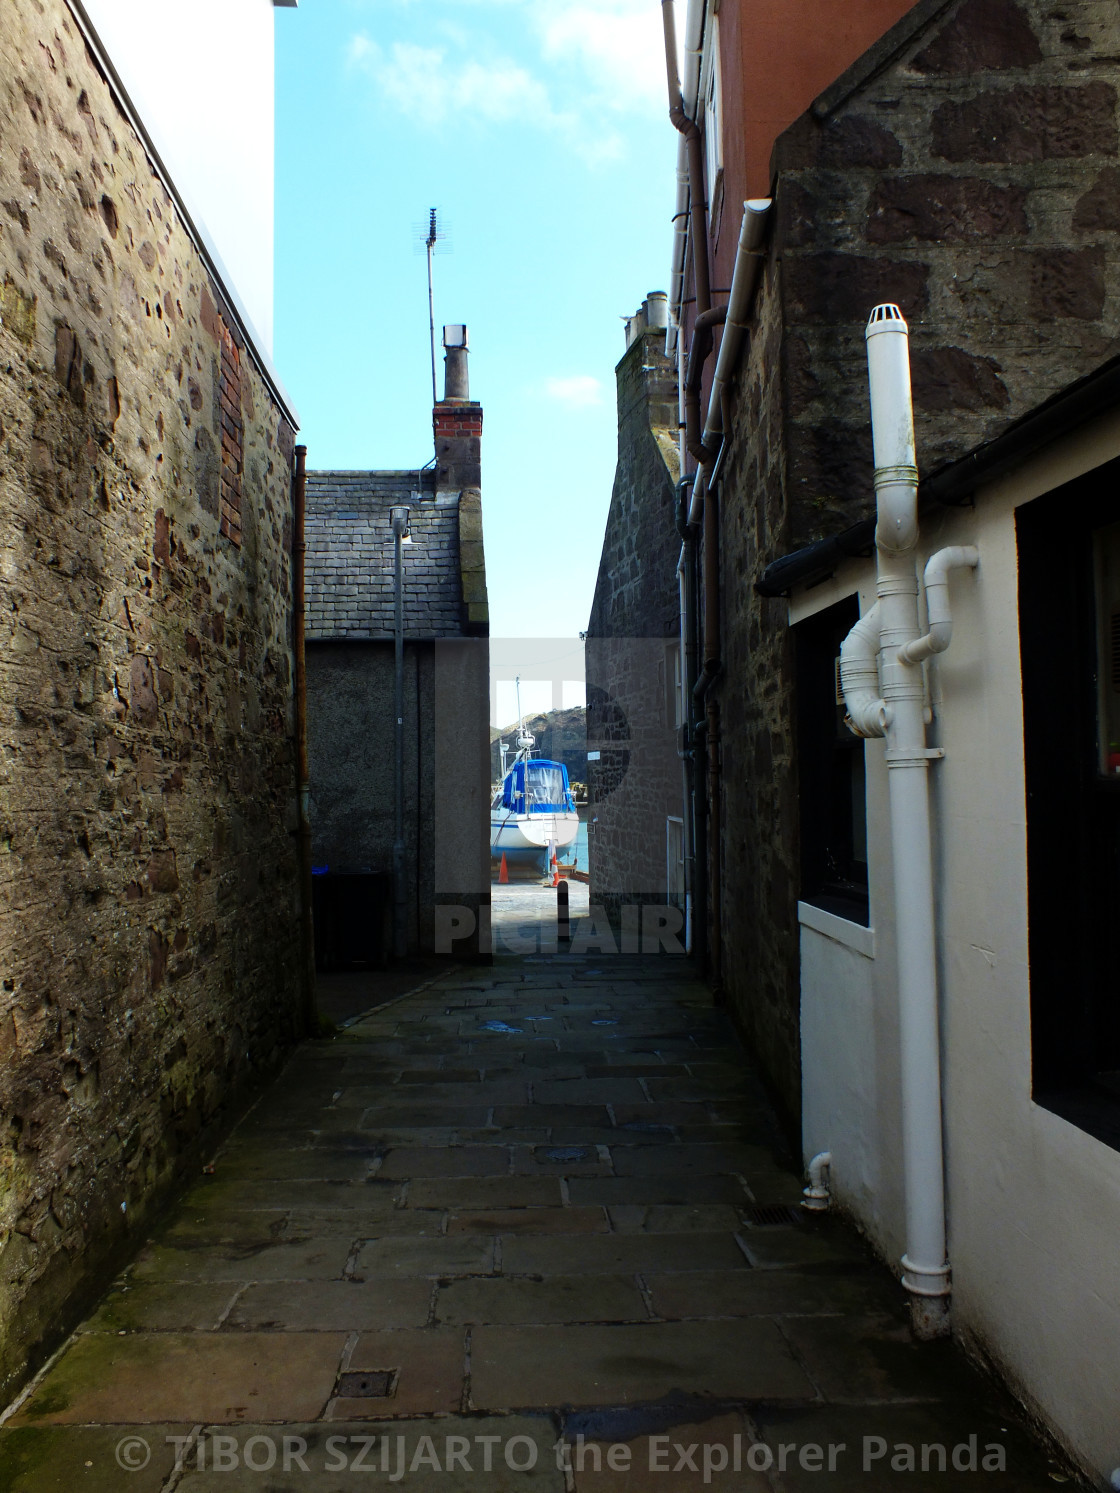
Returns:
(529, 1225)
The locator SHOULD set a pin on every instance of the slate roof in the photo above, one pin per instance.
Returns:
(350, 557)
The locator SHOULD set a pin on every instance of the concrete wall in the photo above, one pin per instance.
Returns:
(216, 140)
(636, 782)
(147, 851)
(1033, 1202)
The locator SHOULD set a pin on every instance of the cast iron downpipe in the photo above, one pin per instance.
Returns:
(303, 774)
(694, 877)
(702, 339)
(399, 518)
(694, 142)
(704, 698)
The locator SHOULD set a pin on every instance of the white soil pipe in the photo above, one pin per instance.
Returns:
(938, 614)
(898, 712)
(859, 677)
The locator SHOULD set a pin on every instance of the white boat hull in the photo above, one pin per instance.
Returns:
(511, 833)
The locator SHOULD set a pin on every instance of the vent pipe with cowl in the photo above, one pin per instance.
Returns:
(884, 692)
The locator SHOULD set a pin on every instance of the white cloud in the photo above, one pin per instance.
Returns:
(425, 85)
(589, 60)
(580, 391)
(618, 46)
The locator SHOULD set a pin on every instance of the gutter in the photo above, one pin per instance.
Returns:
(196, 230)
(954, 485)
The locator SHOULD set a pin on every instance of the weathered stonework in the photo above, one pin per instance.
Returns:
(972, 178)
(632, 632)
(148, 929)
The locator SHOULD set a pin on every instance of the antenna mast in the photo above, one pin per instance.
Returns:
(430, 243)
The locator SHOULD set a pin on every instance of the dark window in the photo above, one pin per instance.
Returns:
(830, 771)
(1069, 628)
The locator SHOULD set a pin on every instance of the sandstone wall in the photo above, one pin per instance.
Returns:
(637, 781)
(148, 936)
(974, 179)
(967, 169)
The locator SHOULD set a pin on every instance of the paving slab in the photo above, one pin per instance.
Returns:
(447, 1161)
(449, 1455)
(593, 1298)
(531, 1221)
(766, 1293)
(486, 1192)
(677, 1188)
(313, 1164)
(332, 1306)
(158, 1306)
(704, 1218)
(213, 1195)
(866, 1441)
(90, 1459)
(705, 1454)
(518, 1367)
(427, 1368)
(694, 1161)
(620, 1254)
(362, 1224)
(151, 1377)
(311, 1259)
(462, 1255)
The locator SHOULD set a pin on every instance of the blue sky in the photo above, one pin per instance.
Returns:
(540, 131)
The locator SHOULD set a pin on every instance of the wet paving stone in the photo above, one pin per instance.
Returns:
(512, 1209)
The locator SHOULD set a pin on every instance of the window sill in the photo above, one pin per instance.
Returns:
(852, 935)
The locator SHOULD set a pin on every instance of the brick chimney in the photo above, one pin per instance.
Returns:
(457, 420)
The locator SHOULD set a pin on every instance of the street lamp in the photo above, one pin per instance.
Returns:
(398, 516)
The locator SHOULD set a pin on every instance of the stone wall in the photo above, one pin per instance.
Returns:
(147, 845)
(758, 834)
(967, 169)
(636, 782)
(971, 175)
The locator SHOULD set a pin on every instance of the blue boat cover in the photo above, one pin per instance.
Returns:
(548, 788)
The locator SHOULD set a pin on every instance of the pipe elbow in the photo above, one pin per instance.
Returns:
(859, 677)
(817, 1197)
(940, 634)
(896, 492)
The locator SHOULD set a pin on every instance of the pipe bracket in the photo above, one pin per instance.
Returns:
(915, 759)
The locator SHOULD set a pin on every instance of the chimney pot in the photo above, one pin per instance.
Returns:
(456, 384)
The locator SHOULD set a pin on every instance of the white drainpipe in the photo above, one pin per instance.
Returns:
(885, 697)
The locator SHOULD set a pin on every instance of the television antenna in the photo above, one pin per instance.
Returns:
(433, 238)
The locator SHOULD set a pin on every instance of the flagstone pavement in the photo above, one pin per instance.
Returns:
(531, 1226)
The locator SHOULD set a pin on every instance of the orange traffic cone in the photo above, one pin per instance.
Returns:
(555, 870)
(503, 872)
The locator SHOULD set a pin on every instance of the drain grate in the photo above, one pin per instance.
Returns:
(771, 1215)
(374, 1384)
(565, 1153)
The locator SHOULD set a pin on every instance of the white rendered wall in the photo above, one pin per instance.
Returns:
(1033, 1202)
(202, 79)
